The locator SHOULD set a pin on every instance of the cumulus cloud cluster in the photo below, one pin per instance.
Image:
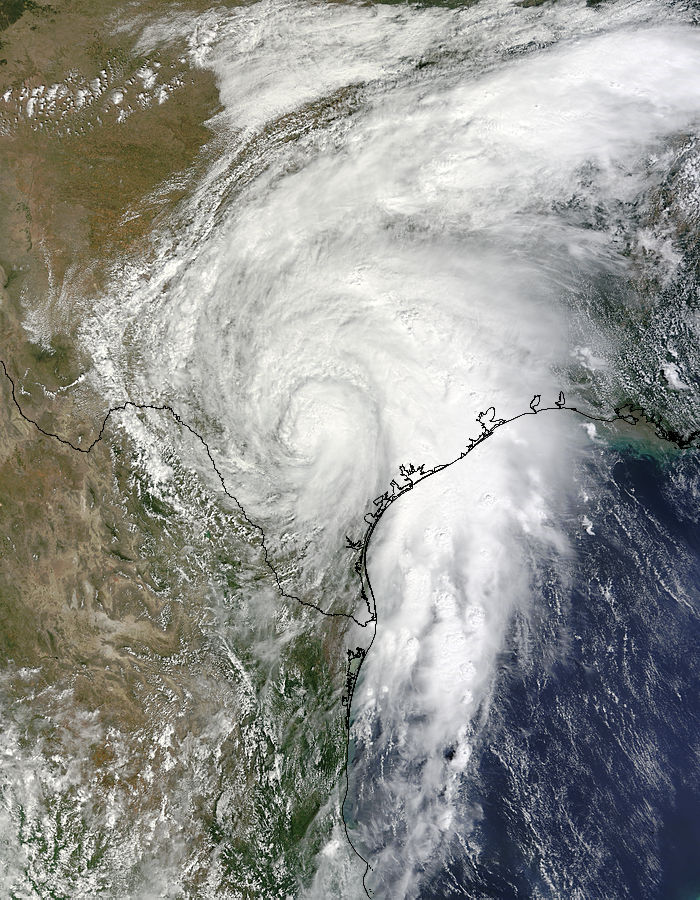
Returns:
(385, 247)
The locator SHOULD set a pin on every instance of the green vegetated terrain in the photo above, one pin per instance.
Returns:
(169, 720)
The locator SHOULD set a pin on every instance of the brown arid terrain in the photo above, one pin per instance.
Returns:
(69, 182)
(134, 739)
(260, 265)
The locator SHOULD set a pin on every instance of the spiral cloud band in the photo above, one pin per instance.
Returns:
(395, 235)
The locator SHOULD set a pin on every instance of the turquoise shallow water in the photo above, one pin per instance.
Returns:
(584, 782)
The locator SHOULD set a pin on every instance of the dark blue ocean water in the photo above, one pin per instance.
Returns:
(586, 779)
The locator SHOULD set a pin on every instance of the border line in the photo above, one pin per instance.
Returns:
(409, 477)
(129, 404)
(412, 475)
